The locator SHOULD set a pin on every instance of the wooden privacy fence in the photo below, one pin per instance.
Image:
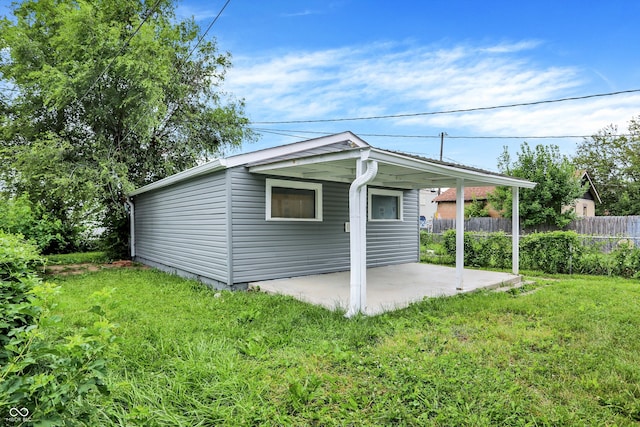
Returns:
(604, 228)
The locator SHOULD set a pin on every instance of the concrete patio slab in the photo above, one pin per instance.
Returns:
(388, 288)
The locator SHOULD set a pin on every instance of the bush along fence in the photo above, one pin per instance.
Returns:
(550, 252)
(606, 232)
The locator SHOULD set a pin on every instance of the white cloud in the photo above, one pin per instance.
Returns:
(305, 12)
(512, 47)
(197, 13)
(389, 78)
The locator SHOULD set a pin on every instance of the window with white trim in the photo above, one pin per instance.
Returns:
(385, 205)
(293, 200)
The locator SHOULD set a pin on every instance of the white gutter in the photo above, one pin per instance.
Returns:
(358, 234)
(132, 226)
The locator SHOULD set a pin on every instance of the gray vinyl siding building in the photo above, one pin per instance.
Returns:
(213, 228)
(324, 205)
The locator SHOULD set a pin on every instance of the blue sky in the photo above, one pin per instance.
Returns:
(308, 60)
(311, 60)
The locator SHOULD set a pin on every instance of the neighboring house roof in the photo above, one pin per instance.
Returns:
(480, 193)
(470, 194)
(332, 158)
(585, 178)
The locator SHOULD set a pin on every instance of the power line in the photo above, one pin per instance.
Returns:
(180, 65)
(287, 132)
(207, 30)
(283, 133)
(461, 110)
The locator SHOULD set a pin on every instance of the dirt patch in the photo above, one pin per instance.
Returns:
(73, 269)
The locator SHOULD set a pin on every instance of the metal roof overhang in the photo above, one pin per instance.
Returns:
(394, 170)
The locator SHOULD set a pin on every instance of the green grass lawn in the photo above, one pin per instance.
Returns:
(565, 352)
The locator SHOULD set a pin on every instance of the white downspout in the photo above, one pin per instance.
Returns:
(132, 226)
(459, 234)
(358, 235)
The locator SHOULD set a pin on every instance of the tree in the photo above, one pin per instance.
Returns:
(557, 186)
(477, 209)
(106, 96)
(613, 162)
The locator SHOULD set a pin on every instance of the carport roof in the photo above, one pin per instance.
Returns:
(332, 158)
(395, 169)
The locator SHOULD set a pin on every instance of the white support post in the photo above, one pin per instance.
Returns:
(459, 234)
(515, 230)
(358, 235)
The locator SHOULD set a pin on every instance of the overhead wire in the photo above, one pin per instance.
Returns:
(204, 34)
(287, 132)
(184, 61)
(460, 110)
(148, 13)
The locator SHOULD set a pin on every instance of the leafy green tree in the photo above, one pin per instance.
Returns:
(613, 162)
(105, 96)
(477, 209)
(557, 186)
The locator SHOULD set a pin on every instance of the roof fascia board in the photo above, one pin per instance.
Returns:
(451, 171)
(311, 160)
(592, 187)
(255, 156)
(212, 166)
(282, 150)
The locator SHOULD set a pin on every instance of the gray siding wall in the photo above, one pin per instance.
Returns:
(184, 227)
(275, 249)
(395, 242)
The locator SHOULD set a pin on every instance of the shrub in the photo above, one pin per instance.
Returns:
(426, 238)
(17, 259)
(595, 263)
(552, 252)
(19, 216)
(626, 261)
(472, 257)
(52, 379)
(495, 250)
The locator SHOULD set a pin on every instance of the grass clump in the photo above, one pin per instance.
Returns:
(564, 352)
